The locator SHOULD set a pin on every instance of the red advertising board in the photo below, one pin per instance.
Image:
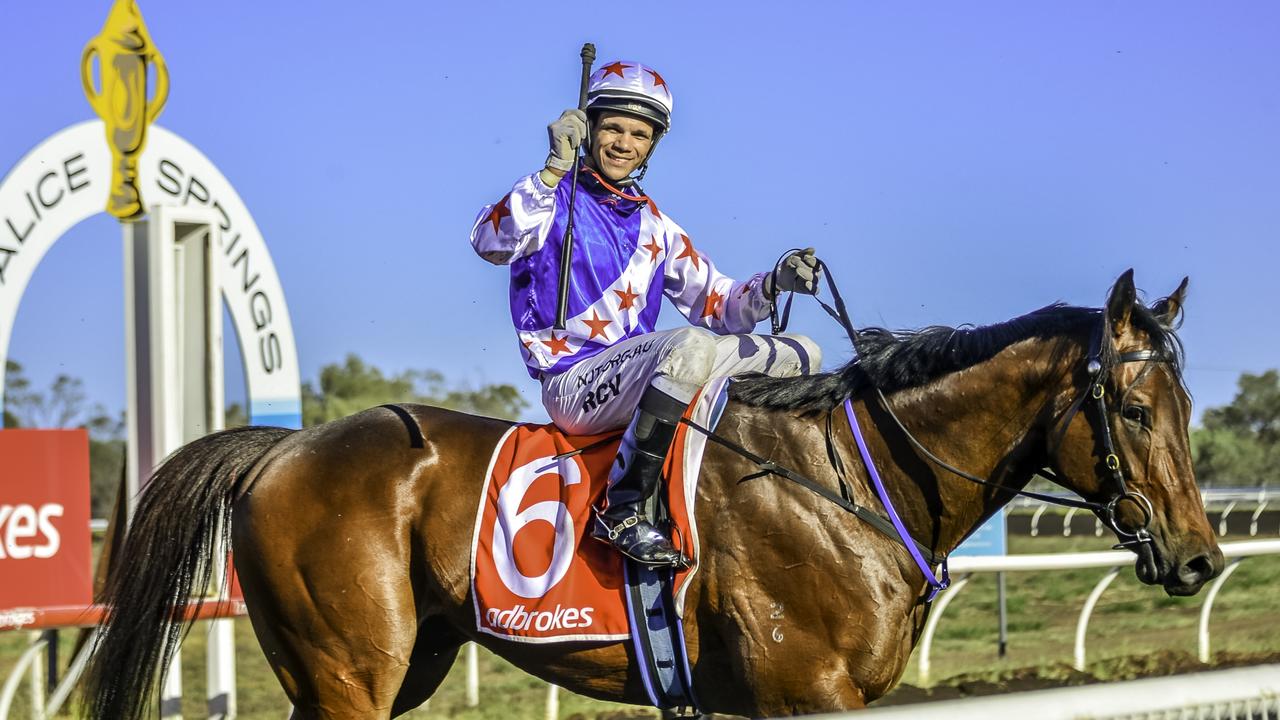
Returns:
(44, 519)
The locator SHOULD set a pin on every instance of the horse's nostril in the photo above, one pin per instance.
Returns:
(1198, 569)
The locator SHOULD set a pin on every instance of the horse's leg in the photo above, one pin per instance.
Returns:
(339, 644)
(433, 654)
(330, 604)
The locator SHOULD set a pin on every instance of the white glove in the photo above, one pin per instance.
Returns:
(566, 134)
(798, 272)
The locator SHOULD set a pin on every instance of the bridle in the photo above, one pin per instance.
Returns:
(1093, 401)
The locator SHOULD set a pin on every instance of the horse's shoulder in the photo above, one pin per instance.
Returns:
(787, 437)
(761, 428)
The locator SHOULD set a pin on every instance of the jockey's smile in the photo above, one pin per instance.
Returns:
(620, 144)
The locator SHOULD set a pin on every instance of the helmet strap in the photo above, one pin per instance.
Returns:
(617, 187)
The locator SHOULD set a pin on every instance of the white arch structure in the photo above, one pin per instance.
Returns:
(66, 179)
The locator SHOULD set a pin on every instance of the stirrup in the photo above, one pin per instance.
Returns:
(646, 535)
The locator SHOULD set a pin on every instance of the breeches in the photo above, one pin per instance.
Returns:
(601, 393)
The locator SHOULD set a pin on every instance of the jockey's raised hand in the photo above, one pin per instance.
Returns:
(798, 272)
(565, 135)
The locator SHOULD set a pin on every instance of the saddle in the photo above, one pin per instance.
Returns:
(536, 574)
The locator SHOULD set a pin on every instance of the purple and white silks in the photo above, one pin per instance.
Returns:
(627, 255)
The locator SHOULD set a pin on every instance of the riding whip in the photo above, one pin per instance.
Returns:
(588, 55)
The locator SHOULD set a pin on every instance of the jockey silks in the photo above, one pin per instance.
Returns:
(626, 256)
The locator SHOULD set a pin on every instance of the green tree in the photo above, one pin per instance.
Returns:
(63, 404)
(1240, 442)
(235, 416)
(354, 385)
(106, 469)
(16, 387)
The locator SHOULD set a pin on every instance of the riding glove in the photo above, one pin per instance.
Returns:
(566, 134)
(798, 272)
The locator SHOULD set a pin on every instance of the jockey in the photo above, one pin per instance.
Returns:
(608, 368)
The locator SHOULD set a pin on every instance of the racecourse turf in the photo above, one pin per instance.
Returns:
(1135, 628)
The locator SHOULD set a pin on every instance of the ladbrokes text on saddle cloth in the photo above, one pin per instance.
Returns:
(536, 574)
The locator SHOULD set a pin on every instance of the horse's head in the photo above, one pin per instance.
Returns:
(1124, 442)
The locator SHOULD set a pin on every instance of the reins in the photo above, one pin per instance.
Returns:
(769, 467)
(923, 556)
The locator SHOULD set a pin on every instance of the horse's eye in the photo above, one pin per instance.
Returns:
(1136, 413)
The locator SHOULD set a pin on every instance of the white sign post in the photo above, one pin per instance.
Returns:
(173, 346)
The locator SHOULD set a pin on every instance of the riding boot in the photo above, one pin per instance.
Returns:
(635, 475)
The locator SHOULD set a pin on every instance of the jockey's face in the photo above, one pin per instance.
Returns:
(620, 144)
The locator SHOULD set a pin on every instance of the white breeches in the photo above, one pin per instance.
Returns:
(601, 393)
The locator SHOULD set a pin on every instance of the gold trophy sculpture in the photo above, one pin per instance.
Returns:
(124, 51)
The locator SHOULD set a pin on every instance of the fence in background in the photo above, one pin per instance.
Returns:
(963, 568)
(1235, 511)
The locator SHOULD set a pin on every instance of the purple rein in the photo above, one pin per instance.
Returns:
(935, 585)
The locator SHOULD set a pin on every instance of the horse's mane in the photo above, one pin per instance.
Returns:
(894, 361)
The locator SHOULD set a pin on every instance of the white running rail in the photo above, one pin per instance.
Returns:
(963, 567)
(1252, 692)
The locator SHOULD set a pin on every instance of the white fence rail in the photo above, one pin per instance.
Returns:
(964, 567)
(1224, 501)
(1252, 692)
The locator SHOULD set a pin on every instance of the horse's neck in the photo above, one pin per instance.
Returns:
(983, 420)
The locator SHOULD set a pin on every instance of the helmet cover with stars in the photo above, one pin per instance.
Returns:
(631, 88)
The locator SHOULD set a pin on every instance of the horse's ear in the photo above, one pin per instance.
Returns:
(1168, 310)
(1120, 303)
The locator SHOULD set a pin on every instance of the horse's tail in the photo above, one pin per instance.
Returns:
(181, 514)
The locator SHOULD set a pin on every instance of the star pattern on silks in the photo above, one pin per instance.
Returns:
(598, 326)
(689, 252)
(528, 345)
(715, 301)
(654, 249)
(614, 69)
(659, 82)
(557, 345)
(499, 211)
(653, 208)
(626, 298)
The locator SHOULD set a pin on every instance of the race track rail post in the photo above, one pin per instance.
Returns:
(1082, 625)
(1208, 608)
(926, 643)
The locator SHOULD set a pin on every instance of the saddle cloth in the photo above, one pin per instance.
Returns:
(537, 575)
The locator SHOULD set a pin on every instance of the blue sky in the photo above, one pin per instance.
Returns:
(953, 162)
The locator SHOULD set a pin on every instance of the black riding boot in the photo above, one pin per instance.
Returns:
(636, 473)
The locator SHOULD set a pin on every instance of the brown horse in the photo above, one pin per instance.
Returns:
(352, 538)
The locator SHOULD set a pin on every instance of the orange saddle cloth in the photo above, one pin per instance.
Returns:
(537, 575)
